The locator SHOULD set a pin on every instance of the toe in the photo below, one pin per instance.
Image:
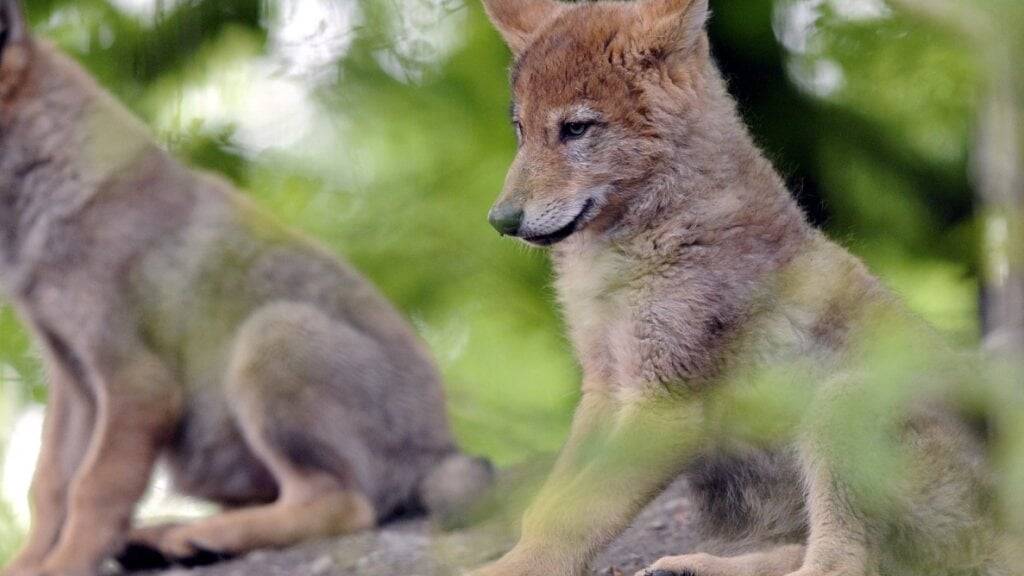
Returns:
(202, 556)
(663, 572)
(688, 565)
(196, 545)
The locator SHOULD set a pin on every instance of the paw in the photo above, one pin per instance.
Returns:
(37, 571)
(649, 572)
(141, 557)
(506, 567)
(143, 552)
(18, 570)
(171, 545)
(688, 565)
(25, 564)
(50, 570)
(188, 541)
(493, 569)
(21, 571)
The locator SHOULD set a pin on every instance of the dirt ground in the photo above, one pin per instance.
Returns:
(415, 548)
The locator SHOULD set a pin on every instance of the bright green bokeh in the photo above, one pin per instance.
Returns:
(391, 151)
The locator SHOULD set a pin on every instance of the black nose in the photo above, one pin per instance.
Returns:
(506, 219)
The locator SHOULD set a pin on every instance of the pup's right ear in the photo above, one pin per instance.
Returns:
(518, 20)
(13, 29)
(14, 45)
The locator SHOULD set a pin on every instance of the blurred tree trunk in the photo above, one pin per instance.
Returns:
(1000, 176)
(992, 28)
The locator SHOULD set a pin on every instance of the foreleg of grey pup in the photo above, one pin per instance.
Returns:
(287, 360)
(70, 417)
(137, 406)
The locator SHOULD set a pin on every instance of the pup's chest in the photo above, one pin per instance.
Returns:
(598, 302)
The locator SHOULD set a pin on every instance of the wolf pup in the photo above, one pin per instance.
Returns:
(684, 267)
(177, 321)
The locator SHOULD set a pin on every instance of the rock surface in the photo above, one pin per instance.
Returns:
(415, 548)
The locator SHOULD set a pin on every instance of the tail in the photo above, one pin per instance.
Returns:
(746, 500)
(1004, 342)
(451, 490)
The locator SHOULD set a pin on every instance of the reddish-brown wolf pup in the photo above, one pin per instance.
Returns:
(686, 270)
(176, 321)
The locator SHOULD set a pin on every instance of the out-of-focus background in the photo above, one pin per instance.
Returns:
(380, 127)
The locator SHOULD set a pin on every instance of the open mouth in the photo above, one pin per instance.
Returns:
(564, 232)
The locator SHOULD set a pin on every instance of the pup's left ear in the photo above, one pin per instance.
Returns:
(675, 26)
(13, 28)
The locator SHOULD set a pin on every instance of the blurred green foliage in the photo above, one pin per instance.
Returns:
(380, 127)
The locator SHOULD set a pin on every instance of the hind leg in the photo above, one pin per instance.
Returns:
(312, 505)
(279, 385)
(924, 515)
(332, 512)
(927, 516)
(316, 506)
(932, 519)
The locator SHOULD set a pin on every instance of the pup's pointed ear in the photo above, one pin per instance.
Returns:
(676, 26)
(13, 28)
(517, 20)
(14, 46)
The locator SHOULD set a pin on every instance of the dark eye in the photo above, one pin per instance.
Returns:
(574, 130)
(519, 130)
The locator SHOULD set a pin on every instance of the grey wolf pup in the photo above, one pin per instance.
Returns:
(686, 272)
(177, 321)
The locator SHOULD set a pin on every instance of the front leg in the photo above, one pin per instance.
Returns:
(838, 542)
(138, 405)
(619, 455)
(70, 416)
